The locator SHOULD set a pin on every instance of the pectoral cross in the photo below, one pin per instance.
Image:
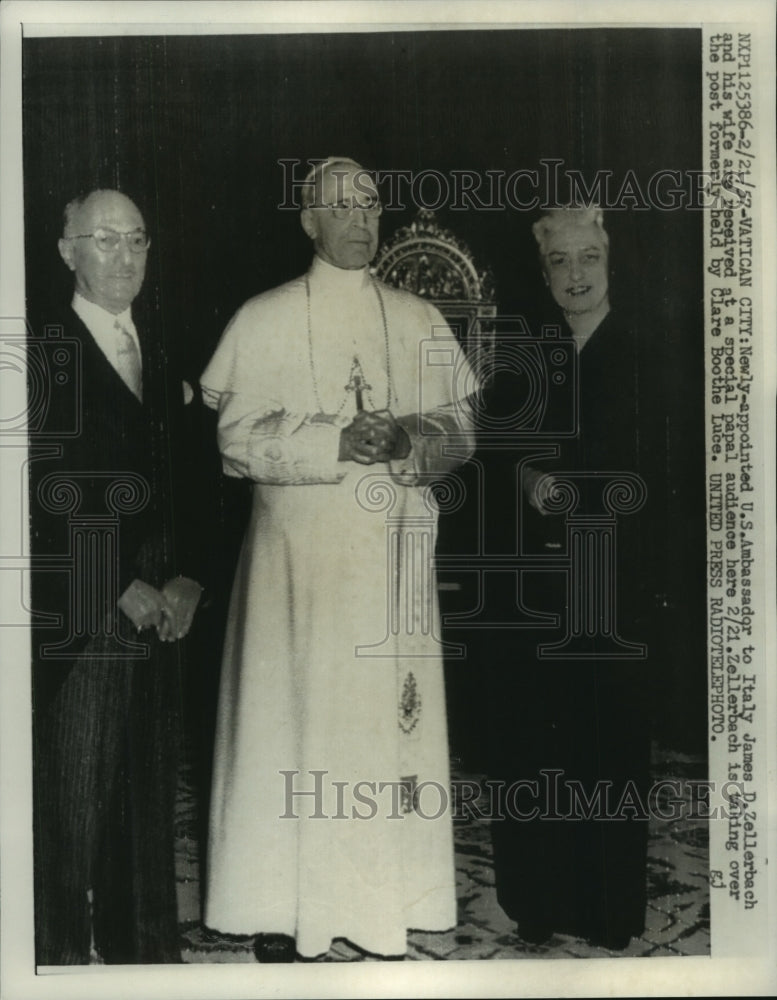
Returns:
(357, 384)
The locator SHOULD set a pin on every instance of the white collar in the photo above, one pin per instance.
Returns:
(92, 314)
(343, 278)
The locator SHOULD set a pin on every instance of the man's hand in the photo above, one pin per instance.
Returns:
(142, 604)
(181, 596)
(373, 437)
(400, 443)
(537, 487)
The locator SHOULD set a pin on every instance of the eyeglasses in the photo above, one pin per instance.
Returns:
(108, 240)
(345, 209)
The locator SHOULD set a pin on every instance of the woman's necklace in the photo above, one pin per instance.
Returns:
(356, 382)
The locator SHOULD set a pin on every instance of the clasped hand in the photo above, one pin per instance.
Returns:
(373, 436)
(169, 610)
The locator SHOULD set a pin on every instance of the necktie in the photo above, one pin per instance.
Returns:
(128, 360)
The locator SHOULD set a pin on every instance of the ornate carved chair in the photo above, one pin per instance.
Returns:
(430, 261)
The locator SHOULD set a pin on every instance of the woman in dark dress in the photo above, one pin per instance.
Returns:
(577, 723)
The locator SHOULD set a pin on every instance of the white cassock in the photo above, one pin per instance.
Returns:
(332, 674)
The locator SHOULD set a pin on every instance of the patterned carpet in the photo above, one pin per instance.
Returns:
(678, 893)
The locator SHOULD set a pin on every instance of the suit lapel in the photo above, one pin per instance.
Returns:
(98, 368)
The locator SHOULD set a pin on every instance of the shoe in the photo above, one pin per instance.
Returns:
(270, 948)
(612, 941)
(534, 933)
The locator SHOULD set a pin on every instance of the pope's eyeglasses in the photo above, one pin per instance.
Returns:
(108, 240)
(345, 209)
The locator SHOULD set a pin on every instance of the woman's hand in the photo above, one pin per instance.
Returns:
(537, 487)
(181, 596)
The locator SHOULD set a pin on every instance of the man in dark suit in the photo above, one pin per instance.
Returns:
(112, 593)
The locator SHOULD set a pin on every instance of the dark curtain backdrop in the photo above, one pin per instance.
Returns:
(193, 129)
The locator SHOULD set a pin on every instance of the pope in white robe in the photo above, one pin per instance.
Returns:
(331, 808)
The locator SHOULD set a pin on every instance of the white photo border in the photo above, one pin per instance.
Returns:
(741, 973)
